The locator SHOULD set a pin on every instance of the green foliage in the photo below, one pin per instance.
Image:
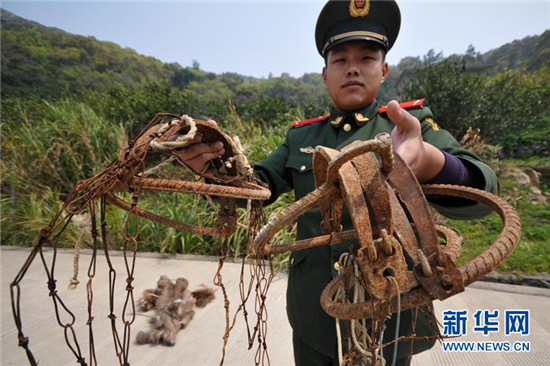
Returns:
(450, 92)
(513, 101)
(210, 97)
(50, 146)
(69, 102)
(533, 141)
(57, 147)
(23, 216)
(134, 108)
(531, 52)
(511, 108)
(50, 63)
(532, 254)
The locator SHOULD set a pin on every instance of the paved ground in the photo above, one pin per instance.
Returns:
(201, 342)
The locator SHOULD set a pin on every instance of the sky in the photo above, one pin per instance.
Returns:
(258, 38)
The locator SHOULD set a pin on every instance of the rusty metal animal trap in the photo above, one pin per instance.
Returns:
(397, 265)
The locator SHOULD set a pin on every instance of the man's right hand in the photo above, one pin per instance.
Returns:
(197, 154)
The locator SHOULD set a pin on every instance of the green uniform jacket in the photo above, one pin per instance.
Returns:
(290, 167)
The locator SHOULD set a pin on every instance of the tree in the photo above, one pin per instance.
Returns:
(450, 92)
(471, 54)
(182, 77)
(196, 65)
(509, 107)
(431, 57)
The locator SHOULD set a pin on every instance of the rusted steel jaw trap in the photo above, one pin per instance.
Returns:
(397, 265)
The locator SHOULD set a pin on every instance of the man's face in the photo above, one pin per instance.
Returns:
(354, 72)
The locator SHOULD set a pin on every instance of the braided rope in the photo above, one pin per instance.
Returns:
(240, 158)
(358, 329)
(85, 225)
(340, 296)
(359, 296)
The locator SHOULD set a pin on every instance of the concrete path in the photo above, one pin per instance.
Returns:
(200, 343)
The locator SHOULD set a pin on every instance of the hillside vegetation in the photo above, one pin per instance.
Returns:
(70, 102)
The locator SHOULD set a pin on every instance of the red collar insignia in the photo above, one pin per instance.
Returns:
(404, 105)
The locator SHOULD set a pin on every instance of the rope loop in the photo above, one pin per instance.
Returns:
(181, 141)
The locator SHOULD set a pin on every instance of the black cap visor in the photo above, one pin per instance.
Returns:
(356, 29)
(355, 36)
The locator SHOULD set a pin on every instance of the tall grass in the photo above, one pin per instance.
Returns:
(47, 150)
(532, 254)
(66, 143)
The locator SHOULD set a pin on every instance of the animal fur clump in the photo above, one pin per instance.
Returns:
(173, 304)
(203, 296)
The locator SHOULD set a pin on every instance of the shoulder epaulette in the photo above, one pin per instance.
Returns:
(404, 105)
(309, 121)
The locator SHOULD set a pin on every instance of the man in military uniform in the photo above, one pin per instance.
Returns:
(353, 37)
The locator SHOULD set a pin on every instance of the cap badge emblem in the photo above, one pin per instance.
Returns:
(359, 8)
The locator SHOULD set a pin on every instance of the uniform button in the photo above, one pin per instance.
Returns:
(303, 167)
(347, 127)
(336, 266)
(292, 260)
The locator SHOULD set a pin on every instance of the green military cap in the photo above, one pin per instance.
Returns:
(347, 20)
